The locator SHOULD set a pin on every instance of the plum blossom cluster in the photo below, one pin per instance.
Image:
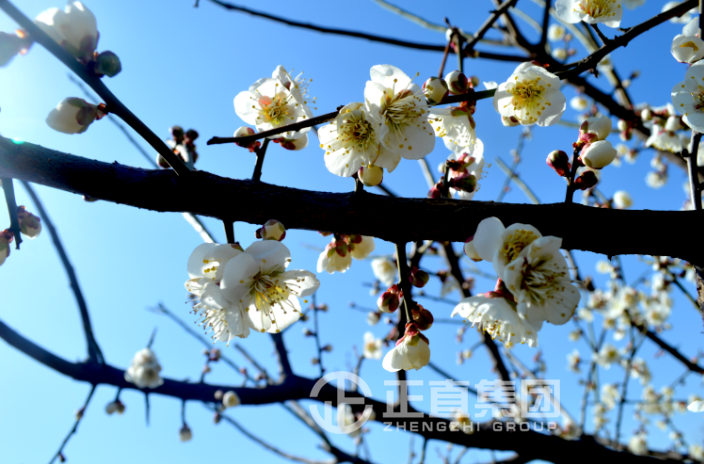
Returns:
(273, 102)
(241, 289)
(144, 370)
(183, 146)
(607, 12)
(338, 254)
(375, 135)
(533, 284)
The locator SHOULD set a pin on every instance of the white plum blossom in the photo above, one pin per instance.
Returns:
(74, 28)
(455, 126)
(144, 370)
(372, 346)
(579, 103)
(351, 141)
(688, 97)
(338, 254)
(539, 281)
(501, 245)
(402, 111)
(556, 32)
(638, 444)
(531, 95)
(622, 199)
(230, 399)
(411, 351)
(385, 270)
(498, 317)
(257, 281)
(573, 360)
(688, 47)
(72, 116)
(607, 355)
(269, 104)
(608, 12)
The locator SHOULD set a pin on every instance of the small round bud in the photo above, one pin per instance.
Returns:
(371, 175)
(587, 180)
(79, 413)
(230, 399)
(559, 161)
(599, 126)
(293, 144)
(108, 64)
(185, 433)
(218, 395)
(474, 80)
(191, 135)
(271, 230)
(214, 354)
(556, 32)
(241, 132)
(437, 191)
(598, 155)
(579, 103)
(327, 348)
(457, 83)
(390, 300)
(622, 200)
(216, 418)
(373, 317)
(422, 317)
(177, 133)
(30, 225)
(418, 278)
(435, 90)
(622, 125)
(559, 54)
(646, 114)
(466, 183)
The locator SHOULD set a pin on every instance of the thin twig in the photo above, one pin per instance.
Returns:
(12, 211)
(74, 429)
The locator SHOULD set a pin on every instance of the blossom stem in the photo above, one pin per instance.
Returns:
(445, 181)
(358, 187)
(229, 231)
(605, 40)
(570, 180)
(9, 190)
(75, 425)
(444, 59)
(261, 152)
(114, 105)
(694, 187)
(460, 54)
(316, 333)
(402, 264)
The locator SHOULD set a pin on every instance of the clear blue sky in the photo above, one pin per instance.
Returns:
(183, 65)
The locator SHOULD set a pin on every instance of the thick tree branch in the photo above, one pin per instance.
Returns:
(491, 435)
(440, 220)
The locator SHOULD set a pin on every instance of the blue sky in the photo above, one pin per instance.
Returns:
(183, 65)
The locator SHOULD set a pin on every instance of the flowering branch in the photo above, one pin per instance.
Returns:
(114, 105)
(94, 352)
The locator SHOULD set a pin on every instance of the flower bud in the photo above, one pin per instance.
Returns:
(72, 116)
(177, 134)
(219, 393)
(646, 114)
(271, 230)
(587, 180)
(579, 103)
(241, 132)
(185, 434)
(373, 317)
(510, 121)
(79, 413)
(114, 406)
(327, 348)
(230, 399)
(560, 162)
(622, 125)
(30, 225)
(598, 154)
(293, 144)
(6, 238)
(390, 300)
(673, 124)
(457, 83)
(559, 54)
(214, 354)
(437, 191)
(622, 200)
(191, 136)
(474, 80)
(422, 317)
(556, 32)
(371, 175)
(418, 278)
(466, 183)
(108, 64)
(435, 90)
(470, 251)
(217, 417)
(74, 28)
(599, 126)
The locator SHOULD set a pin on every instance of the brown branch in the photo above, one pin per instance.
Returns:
(8, 188)
(114, 105)
(440, 219)
(501, 9)
(94, 352)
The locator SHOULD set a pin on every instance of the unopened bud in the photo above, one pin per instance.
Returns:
(510, 121)
(185, 434)
(622, 200)
(307, 332)
(218, 395)
(30, 225)
(293, 144)
(560, 162)
(315, 361)
(271, 230)
(72, 116)
(215, 354)
(230, 399)
(598, 126)
(466, 183)
(457, 82)
(371, 175)
(373, 317)
(418, 278)
(62, 458)
(327, 348)
(206, 369)
(216, 418)
(79, 413)
(598, 154)
(114, 406)
(107, 64)
(622, 125)
(474, 80)
(646, 114)
(422, 317)
(587, 180)
(6, 237)
(241, 132)
(390, 300)
(435, 90)
(191, 136)
(177, 134)
(437, 191)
